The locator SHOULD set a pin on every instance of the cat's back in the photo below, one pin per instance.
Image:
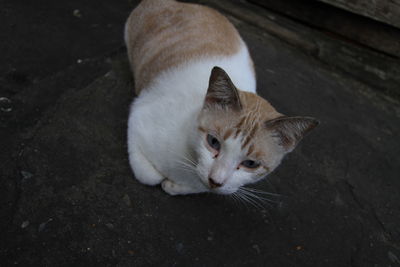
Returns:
(162, 34)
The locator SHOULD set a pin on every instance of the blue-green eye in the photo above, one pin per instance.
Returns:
(213, 142)
(251, 164)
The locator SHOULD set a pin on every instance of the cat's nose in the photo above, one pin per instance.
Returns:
(213, 183)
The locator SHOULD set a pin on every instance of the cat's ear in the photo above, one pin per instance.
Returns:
(290, 130)
(221, 91)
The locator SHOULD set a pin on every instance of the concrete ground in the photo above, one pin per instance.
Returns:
(69, 198)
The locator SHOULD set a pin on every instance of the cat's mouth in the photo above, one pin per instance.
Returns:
(216, 189)
(222, 190)
(211, 188)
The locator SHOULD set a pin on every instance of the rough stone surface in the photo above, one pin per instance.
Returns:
(69, 198)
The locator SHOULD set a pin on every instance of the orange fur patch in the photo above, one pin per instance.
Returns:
(228, 133)
(158, 30)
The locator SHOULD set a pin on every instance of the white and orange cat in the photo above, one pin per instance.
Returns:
(197, 124)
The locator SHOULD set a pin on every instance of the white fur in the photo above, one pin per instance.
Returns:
(162, 126)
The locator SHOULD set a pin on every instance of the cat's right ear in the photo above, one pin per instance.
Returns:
(290, 130)
(221, 91)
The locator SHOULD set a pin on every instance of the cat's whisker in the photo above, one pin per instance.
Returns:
(260, 192)
(190, 162)
(254, 203)
(250, 199)
(184, 158)
(241, 199)
(260, 198)
(235, 198)
(187, 159)
(259, 203)
(186, 169)
(185, 166)
(183, 163)
(190, 158)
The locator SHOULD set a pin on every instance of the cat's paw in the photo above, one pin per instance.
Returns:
(174, 189)
(170, 187)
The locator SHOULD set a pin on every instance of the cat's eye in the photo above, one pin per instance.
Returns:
(250, 164)
(213, 142)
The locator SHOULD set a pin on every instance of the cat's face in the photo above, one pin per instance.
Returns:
(242, 138)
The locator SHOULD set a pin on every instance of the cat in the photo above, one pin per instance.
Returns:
(197, 124)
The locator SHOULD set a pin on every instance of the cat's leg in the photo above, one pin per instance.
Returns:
(142, 168)
(173, 188)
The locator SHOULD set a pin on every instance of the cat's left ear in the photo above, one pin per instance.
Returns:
(221, 91)
(290, 130)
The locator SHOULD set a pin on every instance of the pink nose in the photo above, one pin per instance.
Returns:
(213, 183)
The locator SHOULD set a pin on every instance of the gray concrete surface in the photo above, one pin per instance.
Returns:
(69, 198)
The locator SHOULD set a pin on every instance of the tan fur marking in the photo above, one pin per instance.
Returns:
(256, 105)
(250, 136)
(238, 127)
(228, 134)
(163, 34)
(253, 131)
(238, 131)
(202, 129)
(250, 150)
(258, 154)
(246, 142)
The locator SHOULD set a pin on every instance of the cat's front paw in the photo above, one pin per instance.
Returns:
(174, 189)
(170, 187)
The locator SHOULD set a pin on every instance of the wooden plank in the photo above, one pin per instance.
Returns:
(387, 11)
(373, 34)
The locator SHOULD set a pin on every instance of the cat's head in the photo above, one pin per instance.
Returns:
(242, 137)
